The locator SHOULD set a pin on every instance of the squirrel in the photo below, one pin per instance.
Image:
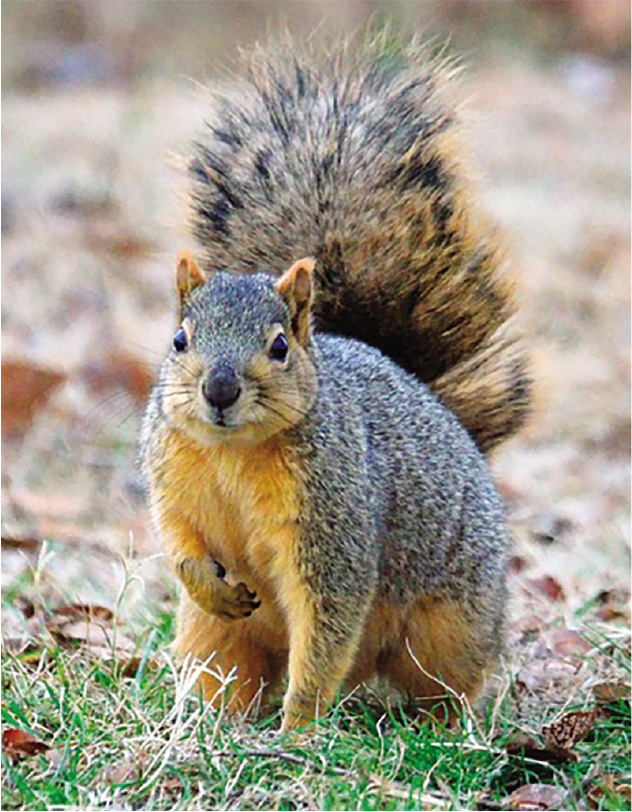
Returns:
(345, 357)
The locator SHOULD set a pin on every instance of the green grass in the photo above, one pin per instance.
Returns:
(130, 743)
(148, 742)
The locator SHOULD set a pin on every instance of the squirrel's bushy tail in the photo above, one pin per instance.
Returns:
(353, 159)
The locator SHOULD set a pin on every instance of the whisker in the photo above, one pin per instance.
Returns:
(95, 423)
(283, 417)
(180, 362)
(148, 349)
(174, 388)
(296, 409)
(280, 386)
(286, 405)
(134, 410)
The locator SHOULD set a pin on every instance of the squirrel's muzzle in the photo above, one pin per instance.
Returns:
(221, 387)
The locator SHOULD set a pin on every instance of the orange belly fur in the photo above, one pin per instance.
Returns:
(245, 502)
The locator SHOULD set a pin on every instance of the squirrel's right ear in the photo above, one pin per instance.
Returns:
(296, 288)
(188, 276)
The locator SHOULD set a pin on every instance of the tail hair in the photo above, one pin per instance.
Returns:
(490, 390)
(354, 159)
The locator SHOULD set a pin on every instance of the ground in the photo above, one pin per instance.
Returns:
(92, 216)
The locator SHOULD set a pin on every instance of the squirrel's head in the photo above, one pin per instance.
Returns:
(239, 369)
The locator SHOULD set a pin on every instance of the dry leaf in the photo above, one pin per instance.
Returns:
(171, 784)
(18, 744)
(107, 235)
(611, 692)
(25, 390)
(91, 627)
(567, 642)
(119, 370)
(536, 796)
(72, 611)
(604, 785)
(618, 596)
(614, 604)
(608, 693)
(526, 626)
(128, 771)
(525, 746)
(123, 773)
(609, 613)
(12, 543)
(131, 246)
(130, 669)
(548, 586)
(570, 729)
(517, 563)
(545, 674)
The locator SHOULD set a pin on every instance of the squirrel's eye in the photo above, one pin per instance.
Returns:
(279, 348)
(180, 343)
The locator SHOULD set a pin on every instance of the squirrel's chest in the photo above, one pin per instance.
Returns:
(245, 502)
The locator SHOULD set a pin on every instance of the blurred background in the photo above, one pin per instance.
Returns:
(98, 98)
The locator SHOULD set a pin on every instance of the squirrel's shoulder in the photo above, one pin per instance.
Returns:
(350, 363)
(392, 402)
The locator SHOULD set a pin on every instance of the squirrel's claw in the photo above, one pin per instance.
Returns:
(236, 602)
(204, 581)
(247, 599)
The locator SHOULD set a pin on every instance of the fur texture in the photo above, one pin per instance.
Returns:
(366, 524)
(355, 160)
(328, 516)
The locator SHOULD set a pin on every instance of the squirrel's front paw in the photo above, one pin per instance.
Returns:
(236, 602)
(204, 581)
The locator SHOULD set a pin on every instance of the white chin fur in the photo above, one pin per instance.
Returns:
(206, 433)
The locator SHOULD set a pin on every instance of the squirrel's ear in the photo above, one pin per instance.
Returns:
(296, 288)
(188, 276)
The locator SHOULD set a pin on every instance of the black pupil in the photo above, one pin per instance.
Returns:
(180, 341)
(278, 350)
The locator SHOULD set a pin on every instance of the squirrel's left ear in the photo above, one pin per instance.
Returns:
(296, 288)
(188, 276)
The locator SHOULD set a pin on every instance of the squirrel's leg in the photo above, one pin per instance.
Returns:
(235, 649)
(324, 632)
(441, 656)
(202, 577)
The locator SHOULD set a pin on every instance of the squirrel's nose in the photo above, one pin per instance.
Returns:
(221, 388)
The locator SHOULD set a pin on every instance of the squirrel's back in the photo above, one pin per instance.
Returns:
(354, 160)
(426, 484)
